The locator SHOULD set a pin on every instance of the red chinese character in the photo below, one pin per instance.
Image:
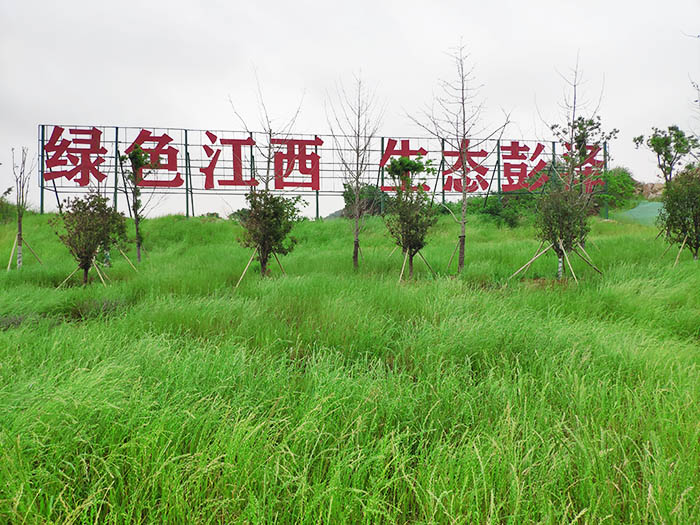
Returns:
(155, 152)
(590, 169)
(516, 173)
(308, 163)
(404, 151)
(479, 180)
(236, 145)
(80, 153)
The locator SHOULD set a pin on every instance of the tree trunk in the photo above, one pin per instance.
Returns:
(356, 246)
(560, 267)
(463, 223)
(137, 226)
(263, 264)
(85, 275)
(19, 242)
(410, 266)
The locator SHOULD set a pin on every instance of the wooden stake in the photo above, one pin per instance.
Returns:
(561, 245)
(66, 279)
(403, 266)
(526, 265)
(362, 255)
(587, 262)
(12, 254)
(392, 251)
(30, 249)
(538, 249)
(666, 251)
(128, 260)
(452, 256)
(427, 264)
(679, 251)
(279, 263)
(98, 273)
(104, 272)
(246, 268)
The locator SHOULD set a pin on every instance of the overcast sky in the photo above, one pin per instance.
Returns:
(174, 64)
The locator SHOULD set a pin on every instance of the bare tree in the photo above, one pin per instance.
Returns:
(272, 130)
(354, 120)
(22, 173)
(453, 118)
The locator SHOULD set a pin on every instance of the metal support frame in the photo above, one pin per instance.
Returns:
(116, 165)
(498, 167)
(317, 192)
(187, 181)
(41, 170)
(605, 183)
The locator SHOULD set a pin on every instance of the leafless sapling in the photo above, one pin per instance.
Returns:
(354, 121)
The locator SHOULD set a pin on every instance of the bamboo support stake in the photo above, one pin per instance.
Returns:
(679, 251)
(66, 279)
(97, 269)
(589, 263)
(452, 256)
(536, 251)
(33, 252)
(403, 265)
(279, 263)
(12, 254)
(526, 265)
(392, 251)
(104, 272)
(561, 245)
(246, 268)
(427, 264)
(128, 260)
(666, 251)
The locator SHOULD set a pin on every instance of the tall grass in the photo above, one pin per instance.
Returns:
(335, 396)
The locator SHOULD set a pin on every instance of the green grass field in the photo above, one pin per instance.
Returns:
(329, 396)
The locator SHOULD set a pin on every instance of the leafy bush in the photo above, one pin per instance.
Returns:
(680, 215)
(620, 188)
(370, 200)
(7, 209)
(267, 222)
(86, 225)
(562, 220)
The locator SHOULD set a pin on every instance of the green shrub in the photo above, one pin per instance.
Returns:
(7, 209)
(680, 216)
(620, 188)
(370, 200)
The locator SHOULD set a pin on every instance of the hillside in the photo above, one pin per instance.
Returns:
(339, 397)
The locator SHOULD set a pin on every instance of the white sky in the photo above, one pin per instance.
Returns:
(174, 64)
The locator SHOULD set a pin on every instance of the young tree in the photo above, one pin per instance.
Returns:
(410, 214)
(455, 121)
(680, 216)
(354, 124)
(562, 210)
(87, 225)
(22, 173)
(670, 147)
(267, 222)
(138, 161)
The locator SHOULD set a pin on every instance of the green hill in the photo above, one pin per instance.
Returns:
(332, 396)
